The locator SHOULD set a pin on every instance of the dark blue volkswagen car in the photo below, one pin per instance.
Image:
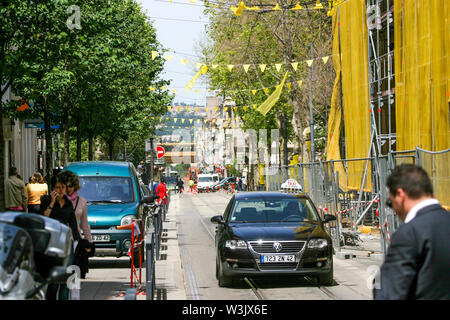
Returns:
(272, 234)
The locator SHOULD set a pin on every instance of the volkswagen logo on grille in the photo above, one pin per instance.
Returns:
(277, 246)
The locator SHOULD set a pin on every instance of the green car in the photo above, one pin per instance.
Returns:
(114, 198)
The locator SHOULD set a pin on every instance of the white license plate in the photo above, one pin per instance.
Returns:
(277, 258)
(100, 237)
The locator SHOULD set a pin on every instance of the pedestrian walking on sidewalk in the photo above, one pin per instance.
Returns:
(59, 207)
(86, 245)
(161, 191)
(35, 190)
(15, 192)
(417, 263)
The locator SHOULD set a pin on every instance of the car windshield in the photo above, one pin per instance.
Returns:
(106, 189)
(276, 210)
(205, 179)
(170, 180)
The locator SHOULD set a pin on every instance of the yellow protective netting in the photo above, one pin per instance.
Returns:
(422, 74)
(437, 167)
(349, 27)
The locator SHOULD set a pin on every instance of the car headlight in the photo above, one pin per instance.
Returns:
(317, 243)
(236, 244)
(127, 220)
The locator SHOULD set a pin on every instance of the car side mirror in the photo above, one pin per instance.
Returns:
(217, 220)
(328, 218)
(148, 199)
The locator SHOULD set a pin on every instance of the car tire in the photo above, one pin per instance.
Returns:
(224, 281)
(326, 279)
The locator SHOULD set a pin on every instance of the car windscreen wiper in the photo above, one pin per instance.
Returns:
(106, 201)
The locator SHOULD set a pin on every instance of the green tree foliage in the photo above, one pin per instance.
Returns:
(271, 37)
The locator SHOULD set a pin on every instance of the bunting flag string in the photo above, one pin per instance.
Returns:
(246, 67)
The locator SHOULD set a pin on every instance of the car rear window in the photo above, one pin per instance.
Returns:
(277, 210)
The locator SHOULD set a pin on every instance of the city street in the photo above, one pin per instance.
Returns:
(188, 247)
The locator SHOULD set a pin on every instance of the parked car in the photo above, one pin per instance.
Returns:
(272, 234)
(224, 183)
(114, 198)
(205, 182)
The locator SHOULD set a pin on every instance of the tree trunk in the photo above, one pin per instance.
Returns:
(78, 124)
(48, 141)
(111, 148)
(2, 159)
(91, 146)
(66, 132)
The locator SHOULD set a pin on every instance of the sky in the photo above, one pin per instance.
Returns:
(179, 28)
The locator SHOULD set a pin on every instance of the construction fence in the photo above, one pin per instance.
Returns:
(333, 188)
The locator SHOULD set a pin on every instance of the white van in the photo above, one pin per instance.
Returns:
(205, 182)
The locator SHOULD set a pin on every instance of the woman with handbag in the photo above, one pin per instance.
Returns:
(85, 247)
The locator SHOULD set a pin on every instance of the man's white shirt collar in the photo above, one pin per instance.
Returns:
(425, 203)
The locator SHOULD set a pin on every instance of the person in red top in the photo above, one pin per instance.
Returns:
(161, 191)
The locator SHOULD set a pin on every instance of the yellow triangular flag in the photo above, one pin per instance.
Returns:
(309, 62)
(196, 109)
(225, 108)
(299, 83)
(243, 117)
(265, 107)
(154, 54)
(151, 89)
(183, 61)
(199, 65)
(255, 106)
(238, 11)
(190, 120)
(190, 85)
(235, 109)
(230, 67)
(325, 59)
(192, 1)
(163, 88)
(254, 92)
(182, 120)
(245, 108)
(175, 120)
(297, 7)
(217, 108)
(174, 91)
(277, 7)
(288, 85)
(318, 5)
(168, 57)
(198, 120)
(178, 109)
(187, 109)
(169, 108)
(204, 121)
(262, 67)
(278, 66)
(266, 90)
(197, 91)
(246, 66)
(294, 65)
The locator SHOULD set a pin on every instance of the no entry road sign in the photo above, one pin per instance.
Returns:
(160, 152)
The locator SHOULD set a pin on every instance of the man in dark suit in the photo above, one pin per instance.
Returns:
(417, 263)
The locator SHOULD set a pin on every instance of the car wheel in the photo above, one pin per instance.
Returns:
(223, 280)
(326, 279)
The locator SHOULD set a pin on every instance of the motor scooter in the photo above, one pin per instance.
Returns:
(34, 251)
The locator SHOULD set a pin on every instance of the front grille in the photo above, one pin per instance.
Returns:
(267, 246)
(277, 266)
